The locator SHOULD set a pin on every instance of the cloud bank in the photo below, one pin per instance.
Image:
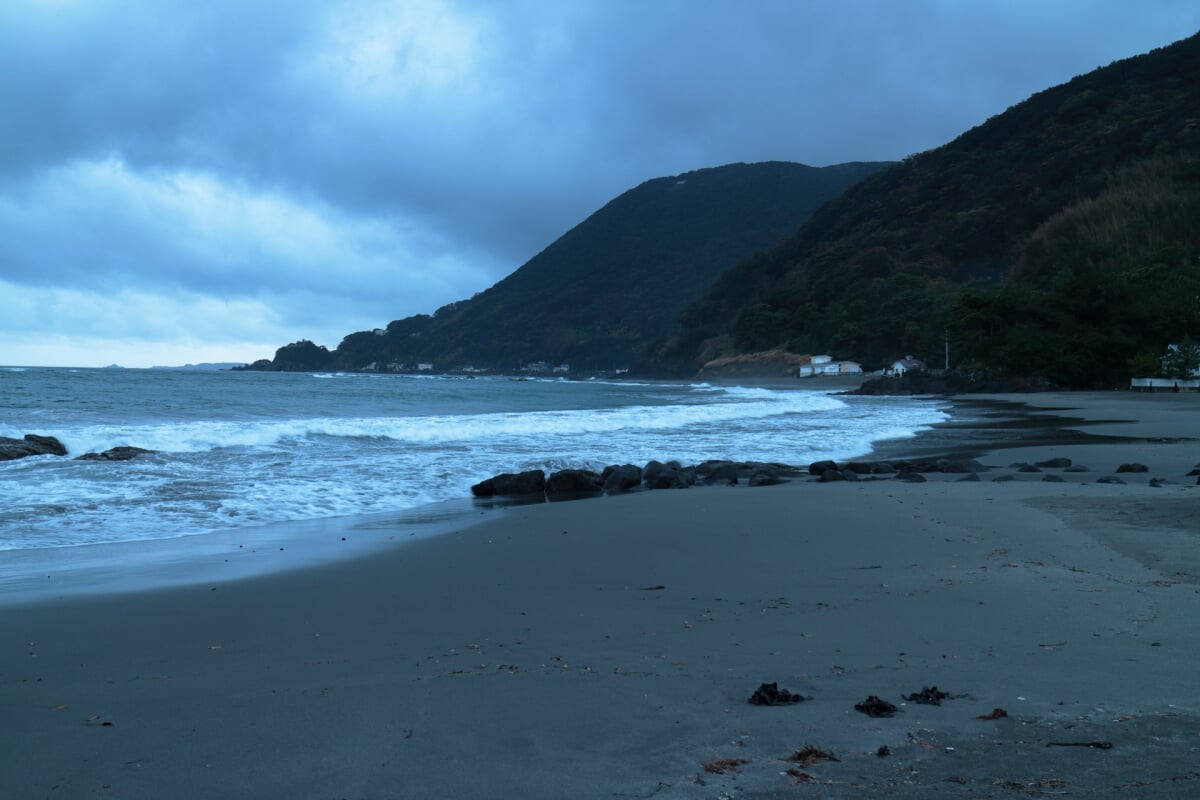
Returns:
(190, 182)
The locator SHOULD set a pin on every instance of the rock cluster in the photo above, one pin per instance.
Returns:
(619, 478)
(35, 445)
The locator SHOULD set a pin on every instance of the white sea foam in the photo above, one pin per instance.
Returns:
(248, 449)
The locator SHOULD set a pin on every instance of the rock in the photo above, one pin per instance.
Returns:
(830, 475)
(573, 483)
(910, 477)
(123, 453)
(512, 484)
(621, 478)
(657, 475)
(860, 467)
(1028, 468)
(1157, 482)
(1050, 478)
(820, 467)
(764, 477)
(959, 467)
(1109, 479)
(1055, 463)
(724, 472)
(1003, 478)
(969, 478)
(1133, 468)
(882, 468)
(31, 445)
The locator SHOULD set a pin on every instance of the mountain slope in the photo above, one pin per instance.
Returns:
(612, 283)
(1062, 215)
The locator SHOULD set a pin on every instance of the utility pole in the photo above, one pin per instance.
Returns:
(947, 333)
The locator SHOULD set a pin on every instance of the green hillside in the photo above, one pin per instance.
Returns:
(618, 280)
(1059, 239)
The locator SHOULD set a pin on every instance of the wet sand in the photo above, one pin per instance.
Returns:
(607, 648)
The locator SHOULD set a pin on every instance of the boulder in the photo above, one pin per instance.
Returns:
(621, 478)
(725, 473)
(122, 453)
(910, 477)
(1052, 478)
(507, 483)
(970, 476)
(820, 467)
(31, 445)
(657, 475)
(1003, 479)
(764, 477)
(1028, 468)
(1133, 468)
(1109, 479)
(573, 483)
(830, 475)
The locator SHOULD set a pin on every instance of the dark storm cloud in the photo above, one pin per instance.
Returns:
(383, 158)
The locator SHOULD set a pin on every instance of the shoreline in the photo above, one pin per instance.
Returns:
(978, 424)
(607, 649)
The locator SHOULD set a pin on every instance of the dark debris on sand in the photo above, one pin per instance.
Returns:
(875, 707)
(930, 696)
(769, 694)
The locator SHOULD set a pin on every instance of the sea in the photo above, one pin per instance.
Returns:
(236, 451)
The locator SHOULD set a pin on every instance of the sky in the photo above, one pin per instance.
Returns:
(186, 182)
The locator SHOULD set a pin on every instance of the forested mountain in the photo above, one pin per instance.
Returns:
(610, 285)
(1061, 239)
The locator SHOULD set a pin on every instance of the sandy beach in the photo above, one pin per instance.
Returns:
(608, 648)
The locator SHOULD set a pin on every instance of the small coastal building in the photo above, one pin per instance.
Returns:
(906, 364)
(825, 365)
(424, 366)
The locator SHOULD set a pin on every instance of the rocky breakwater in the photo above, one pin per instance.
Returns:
(620, 478)
(36, 445)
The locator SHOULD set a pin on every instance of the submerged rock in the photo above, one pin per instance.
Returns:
(123, 453)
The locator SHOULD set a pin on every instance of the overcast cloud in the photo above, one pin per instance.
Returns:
(185, 182)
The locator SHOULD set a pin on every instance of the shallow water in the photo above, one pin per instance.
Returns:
(244, 449)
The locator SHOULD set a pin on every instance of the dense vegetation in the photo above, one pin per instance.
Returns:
(608, 286)
(1059, 239)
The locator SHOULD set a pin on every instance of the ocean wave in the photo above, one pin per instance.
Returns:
(199, 436)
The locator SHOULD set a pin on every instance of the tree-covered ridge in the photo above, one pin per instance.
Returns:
(1059, 239)
(618, 280)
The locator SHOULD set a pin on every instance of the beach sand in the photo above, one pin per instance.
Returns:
(607, 648)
